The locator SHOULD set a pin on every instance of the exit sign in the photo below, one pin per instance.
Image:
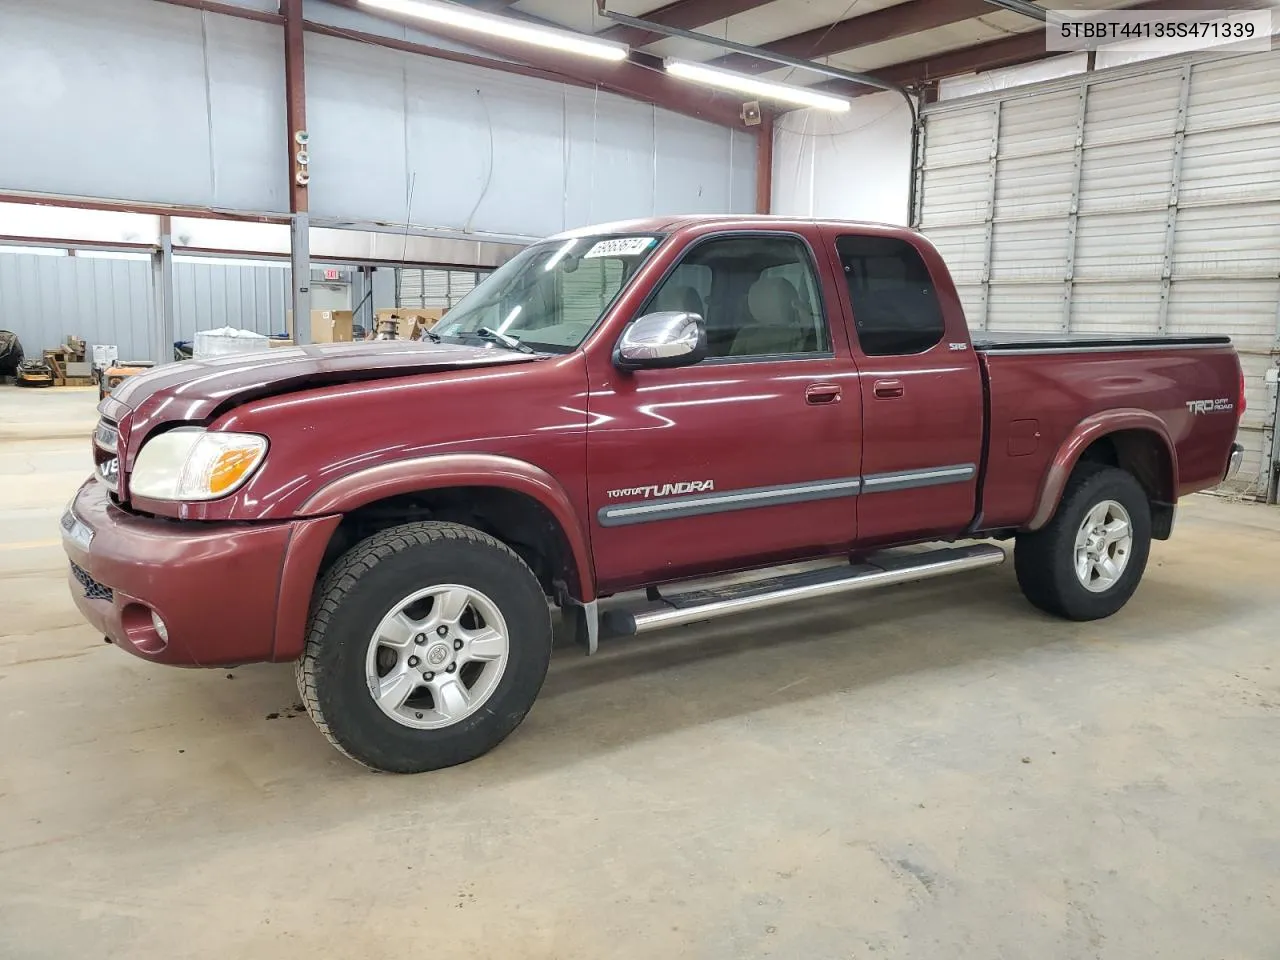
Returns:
(330, 273)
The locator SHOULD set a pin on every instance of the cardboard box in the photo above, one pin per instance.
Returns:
(412, 319)
(277, 342)
(327, 326)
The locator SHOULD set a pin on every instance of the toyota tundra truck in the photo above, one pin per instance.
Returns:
(624, 409)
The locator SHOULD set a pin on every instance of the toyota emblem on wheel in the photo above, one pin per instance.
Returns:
(438, 654)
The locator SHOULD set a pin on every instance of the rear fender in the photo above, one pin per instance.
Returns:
(1085, 433)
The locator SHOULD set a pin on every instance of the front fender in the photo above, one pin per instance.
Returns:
(357, 489)
(1086, 432)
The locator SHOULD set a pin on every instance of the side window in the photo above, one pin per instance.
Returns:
(757, 294)
(895, 306)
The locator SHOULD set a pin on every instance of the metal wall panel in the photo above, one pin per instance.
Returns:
(1154, 208)
(211, 295)
(43, 299)
(204, 123)
(488, 153)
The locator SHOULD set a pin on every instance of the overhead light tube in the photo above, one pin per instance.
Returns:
(452, 15)
(740, 83)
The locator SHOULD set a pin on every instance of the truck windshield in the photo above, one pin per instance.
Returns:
(551, 294)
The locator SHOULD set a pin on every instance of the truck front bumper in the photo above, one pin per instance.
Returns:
(184, 593)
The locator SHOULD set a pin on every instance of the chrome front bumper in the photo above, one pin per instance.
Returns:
(1233, 461)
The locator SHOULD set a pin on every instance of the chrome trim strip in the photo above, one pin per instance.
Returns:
(910, 479)
(702, 504)
(699, 504)
(1118, 348)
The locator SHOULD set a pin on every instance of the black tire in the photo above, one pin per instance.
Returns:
(1045, 560)
(358, 592)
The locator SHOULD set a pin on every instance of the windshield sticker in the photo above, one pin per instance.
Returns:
(622, 247)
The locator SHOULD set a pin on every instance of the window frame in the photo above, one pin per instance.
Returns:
(697, 242)
(853, 310)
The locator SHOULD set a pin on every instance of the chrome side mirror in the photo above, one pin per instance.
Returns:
(668, 339)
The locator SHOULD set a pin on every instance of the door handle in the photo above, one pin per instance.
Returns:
(887, 389)
(822, 393)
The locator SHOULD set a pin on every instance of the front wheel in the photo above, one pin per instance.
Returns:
(427, 646)
(1086, 562)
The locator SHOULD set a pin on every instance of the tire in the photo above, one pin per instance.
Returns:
(1046, 561)
(358, 598)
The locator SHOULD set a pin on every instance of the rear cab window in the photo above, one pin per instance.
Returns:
(896, 311)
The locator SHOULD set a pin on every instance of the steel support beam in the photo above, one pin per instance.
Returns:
(1171, 216)
(295, 91)
(764, 164)
(989, 226)
(684, 14)
(162, 288)
(889, 23)
(1073, 211)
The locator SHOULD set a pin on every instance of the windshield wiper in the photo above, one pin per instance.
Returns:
(433, 336)
(502, 339)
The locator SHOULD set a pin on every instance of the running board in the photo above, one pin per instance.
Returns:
(881, 571)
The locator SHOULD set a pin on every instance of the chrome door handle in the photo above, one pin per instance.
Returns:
(822, 393)
(887, 389)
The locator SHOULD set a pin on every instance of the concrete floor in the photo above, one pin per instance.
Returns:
(932, 772)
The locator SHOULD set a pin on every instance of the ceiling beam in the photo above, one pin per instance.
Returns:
(685, 14)
(1005, 52)
(888, 23)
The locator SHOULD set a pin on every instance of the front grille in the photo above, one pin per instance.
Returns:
(92, 588)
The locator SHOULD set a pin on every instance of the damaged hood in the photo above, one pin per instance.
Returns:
(192, 390)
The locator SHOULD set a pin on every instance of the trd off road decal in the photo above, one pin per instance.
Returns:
(1220, 405)
(664, 489)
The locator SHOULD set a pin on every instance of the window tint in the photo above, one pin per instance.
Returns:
(895, 307)
(757, 295)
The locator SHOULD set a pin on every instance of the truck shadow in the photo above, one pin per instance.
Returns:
(636, 689)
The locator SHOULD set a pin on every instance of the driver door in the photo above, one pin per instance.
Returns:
(748, 457)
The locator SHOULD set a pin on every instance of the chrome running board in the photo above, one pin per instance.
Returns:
(882, 570)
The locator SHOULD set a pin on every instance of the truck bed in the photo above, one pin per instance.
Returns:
(1041, 388)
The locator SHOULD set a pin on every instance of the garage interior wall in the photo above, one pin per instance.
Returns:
(394, 136)
(1144, 199)
(852, 166)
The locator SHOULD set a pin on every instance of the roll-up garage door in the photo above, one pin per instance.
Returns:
(1144, 199)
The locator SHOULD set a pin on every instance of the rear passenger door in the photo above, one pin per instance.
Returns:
(921, 392)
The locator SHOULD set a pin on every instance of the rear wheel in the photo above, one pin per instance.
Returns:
(427, 646)
(1087, 561)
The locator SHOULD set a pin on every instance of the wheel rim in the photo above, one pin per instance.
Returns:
(1103, 545)
(437, 656)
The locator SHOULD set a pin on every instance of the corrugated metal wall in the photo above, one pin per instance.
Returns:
(435, 287)
(1140, 200)
(43, 299)
(109, 301)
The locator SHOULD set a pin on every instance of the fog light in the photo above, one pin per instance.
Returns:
(160, 627)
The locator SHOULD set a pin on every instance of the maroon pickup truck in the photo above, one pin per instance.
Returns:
(622, 409)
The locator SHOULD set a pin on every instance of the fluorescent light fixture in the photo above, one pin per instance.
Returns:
(740, 83)
(452, 15)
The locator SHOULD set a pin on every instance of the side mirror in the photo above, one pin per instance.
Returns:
(657, 340)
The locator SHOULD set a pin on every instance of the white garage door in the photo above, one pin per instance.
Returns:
(1138, 200)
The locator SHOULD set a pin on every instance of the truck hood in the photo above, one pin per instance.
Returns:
(193, 390)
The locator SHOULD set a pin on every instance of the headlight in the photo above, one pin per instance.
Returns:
(190, 463)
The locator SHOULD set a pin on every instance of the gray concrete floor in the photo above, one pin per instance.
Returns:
(931, 772)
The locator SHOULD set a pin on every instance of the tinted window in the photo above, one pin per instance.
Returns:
(895, 307)
(758, 296)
